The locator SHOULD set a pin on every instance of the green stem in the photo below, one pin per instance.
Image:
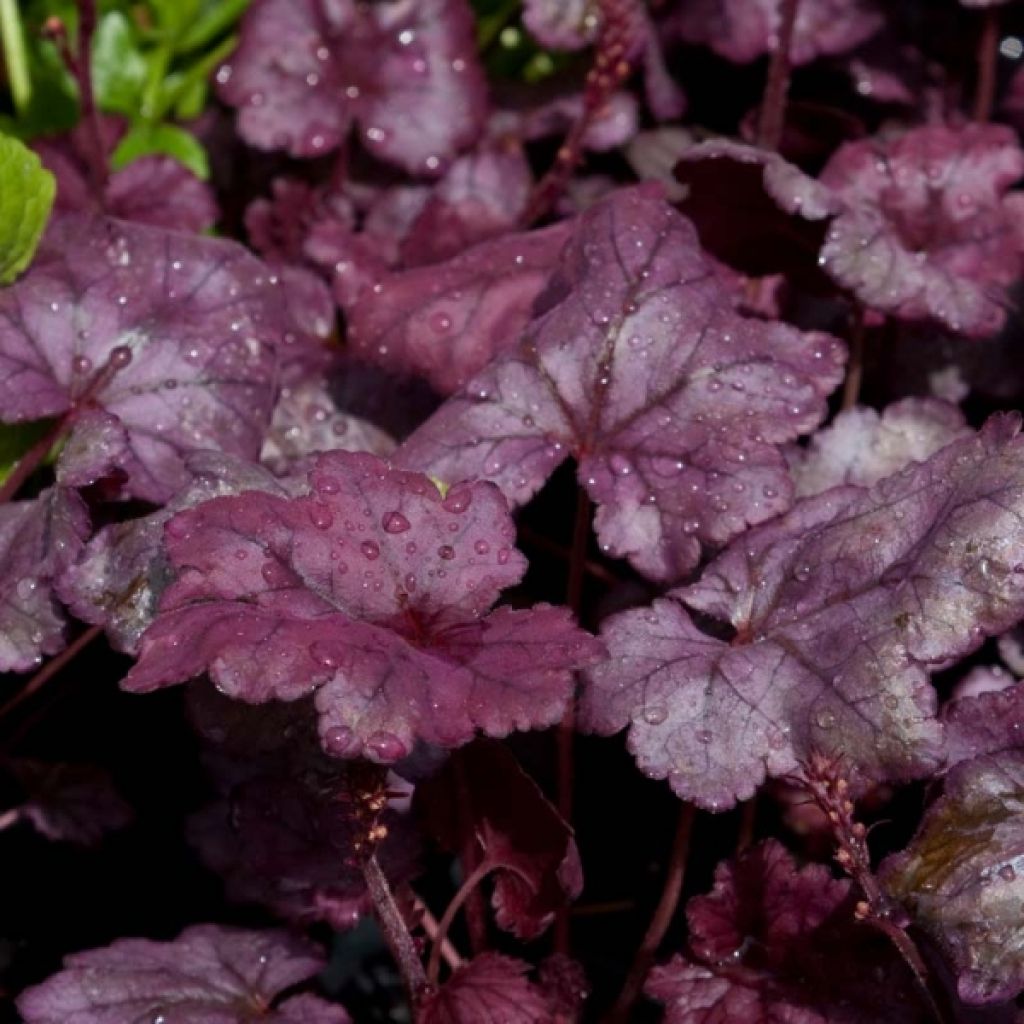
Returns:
(15, 54)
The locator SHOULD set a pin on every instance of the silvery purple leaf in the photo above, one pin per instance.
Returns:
(673, 405)
(208, 975)
(861, 446)
(928, 230)
(962, 876)
(177, 336)
(406, 72)
(841, 608)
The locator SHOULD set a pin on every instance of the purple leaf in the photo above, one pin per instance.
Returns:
(447, 321)
(861, 446)
(155, 190)
(774, 943)
(653, 155)
(98, 447)
(38, 540)
(208, 975)
(310, 1009)
(928, 230)
(306, 421)
(177, 336)
(372, 590)
(75, 803)
(502, 808)
(490, 989)
(962, 876)
(988, 721)
(743, 30)
(673, 405)
(841, 608)
(406, 72)
(119, 577)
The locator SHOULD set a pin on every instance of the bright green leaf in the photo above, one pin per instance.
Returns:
(25, 202)
(118, 66)
(144, 139)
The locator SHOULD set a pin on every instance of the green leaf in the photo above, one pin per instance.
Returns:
(144, 139)
(118, 65)
(214, 21)
(25, 202)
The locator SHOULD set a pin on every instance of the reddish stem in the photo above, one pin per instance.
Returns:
(50, 669)
(469, 885)
(83, 73)
(449, 953)
(566, 733)
(773, 105)
(396, 931)
(988, 62)
(470, 857)
(663, 914)
(610, 69)
(855, 367)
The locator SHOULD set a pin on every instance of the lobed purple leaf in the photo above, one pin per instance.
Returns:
(490, 989)
(208, 975)
(673, 405)
(406, 72)
(373, 590)
(179, 337)
(928, 230)
(841, 608)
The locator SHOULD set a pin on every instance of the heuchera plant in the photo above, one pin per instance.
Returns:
(511, 512)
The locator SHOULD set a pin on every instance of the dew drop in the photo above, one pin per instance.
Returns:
(655, 714)
(321, 517)
(481, 547)
(446, 551)
(385, 746)
(825, 719)
(340, 741)
(370, 550)
(395, 522)
(440, 322)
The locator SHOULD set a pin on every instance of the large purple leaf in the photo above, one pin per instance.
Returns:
(405, 70)
(177, 336)
(743, 30)
(372, 590)
(775, 944)
(208, 975)
(673, 405)
(962, 876)
(38, 540)
(445, 322)
(928, 230)
(841, 608)
(490, 989)
(861, 446)
(119, 577)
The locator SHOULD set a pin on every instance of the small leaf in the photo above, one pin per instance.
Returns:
(490, 989)
(25, 202)
(144, 139)
(118, 66)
